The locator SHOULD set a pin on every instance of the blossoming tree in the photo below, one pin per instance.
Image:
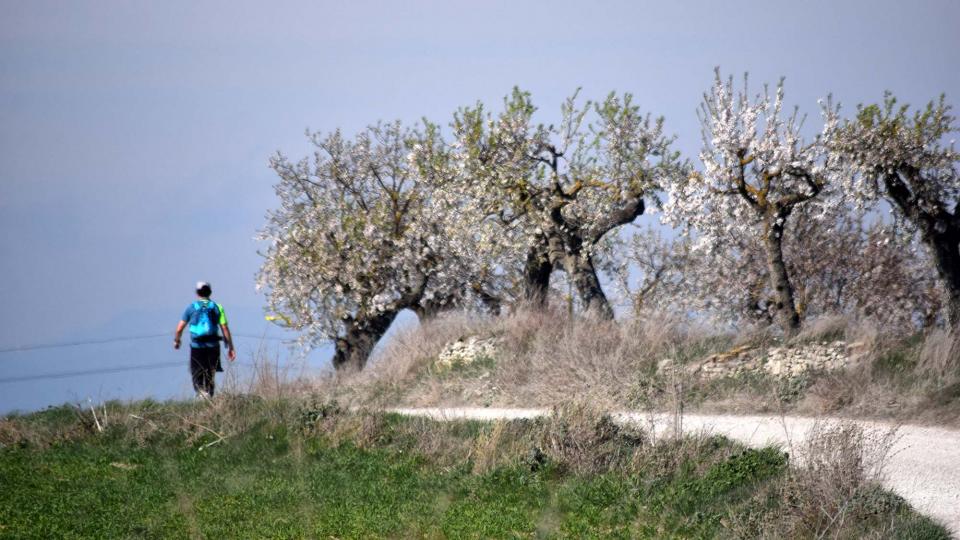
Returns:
(840, 265)
(361, 234)
(557, 191)
(903, 158)
(757, 171)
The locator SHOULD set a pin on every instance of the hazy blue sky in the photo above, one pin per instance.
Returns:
(134, 136)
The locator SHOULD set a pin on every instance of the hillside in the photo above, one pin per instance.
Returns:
(245, 466)
(292, 457)
(835, 367)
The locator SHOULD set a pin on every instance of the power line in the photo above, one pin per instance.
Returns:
(69, 374)
(101, 371)
(66, 344)
(79, 343)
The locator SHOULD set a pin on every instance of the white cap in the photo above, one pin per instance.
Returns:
(202, 284)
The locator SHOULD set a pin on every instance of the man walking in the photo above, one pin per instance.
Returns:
(206, 319)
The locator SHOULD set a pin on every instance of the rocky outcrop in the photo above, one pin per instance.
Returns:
(465, 352)
(781, 362)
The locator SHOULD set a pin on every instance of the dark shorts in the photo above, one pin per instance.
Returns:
(205, 358)
(204, 364)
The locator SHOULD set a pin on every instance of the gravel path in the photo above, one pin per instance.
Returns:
(923, 466)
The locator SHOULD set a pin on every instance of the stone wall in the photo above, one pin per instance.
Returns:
(784, 362)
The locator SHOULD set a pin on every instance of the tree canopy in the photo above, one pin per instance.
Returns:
(774, 224)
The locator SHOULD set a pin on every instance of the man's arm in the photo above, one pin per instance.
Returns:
(228, 339)
(176, 334)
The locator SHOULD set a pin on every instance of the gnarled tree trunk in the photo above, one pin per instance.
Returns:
(353, 349)
(943, 238)
(583, 274)
(567, 251)
(946, 249)
(536, 276)
(786, 310)
(939, 229)
(566, 245)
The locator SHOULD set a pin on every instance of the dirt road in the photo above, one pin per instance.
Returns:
(923, 465)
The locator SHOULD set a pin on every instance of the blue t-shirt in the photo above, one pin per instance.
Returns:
(192, 316)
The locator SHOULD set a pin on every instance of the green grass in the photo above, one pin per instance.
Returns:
(368, 476)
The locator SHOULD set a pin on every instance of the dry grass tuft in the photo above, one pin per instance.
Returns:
(487, 448)
(543, 357)
(940, 355)
(827, 328)
(834, 479)
(584, 440)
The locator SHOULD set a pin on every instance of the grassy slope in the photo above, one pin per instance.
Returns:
(541, 358)
(291, 470)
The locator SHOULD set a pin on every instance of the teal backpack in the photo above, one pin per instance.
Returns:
(204, 326)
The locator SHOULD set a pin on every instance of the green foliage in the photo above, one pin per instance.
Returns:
(501, 503)
(316, 409)
(792, 389)
(482, 364)
(890, 119)
(893, 364)
(692, 504)
(273, 479)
